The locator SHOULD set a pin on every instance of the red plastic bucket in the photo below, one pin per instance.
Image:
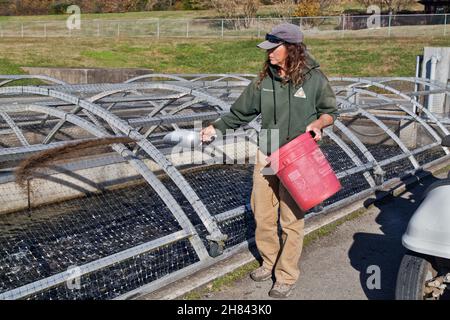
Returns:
(305, 172)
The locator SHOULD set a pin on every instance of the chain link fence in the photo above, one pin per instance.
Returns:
(412, 25)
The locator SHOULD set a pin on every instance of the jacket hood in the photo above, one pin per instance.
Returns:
(311, 62)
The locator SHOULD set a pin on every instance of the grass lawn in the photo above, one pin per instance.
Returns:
(188, 14)
(350, 57)
(346, 57)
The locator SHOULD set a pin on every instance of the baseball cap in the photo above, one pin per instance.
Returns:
(285, 32)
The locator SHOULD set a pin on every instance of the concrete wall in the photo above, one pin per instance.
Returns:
(368, 132)
(86, 76)
(438, 103)
(58, 187)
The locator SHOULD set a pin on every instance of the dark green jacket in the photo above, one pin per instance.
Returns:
(283, 107)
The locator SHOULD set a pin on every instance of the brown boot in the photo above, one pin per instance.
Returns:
(261, 274)
(281, 290)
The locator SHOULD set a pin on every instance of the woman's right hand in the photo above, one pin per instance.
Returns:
(207, 134)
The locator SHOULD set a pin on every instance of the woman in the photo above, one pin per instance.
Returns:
(293, 96)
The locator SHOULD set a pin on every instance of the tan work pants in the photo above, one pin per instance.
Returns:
(268, 196)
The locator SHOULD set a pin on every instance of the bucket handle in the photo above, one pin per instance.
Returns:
(313, 135)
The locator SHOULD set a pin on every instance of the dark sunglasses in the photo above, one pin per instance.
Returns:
(273, 39)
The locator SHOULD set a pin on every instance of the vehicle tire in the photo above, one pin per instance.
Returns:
(414, 271)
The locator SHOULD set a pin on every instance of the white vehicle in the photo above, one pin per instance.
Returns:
(424, 272)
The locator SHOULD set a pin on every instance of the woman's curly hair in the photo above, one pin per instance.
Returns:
(295, 64)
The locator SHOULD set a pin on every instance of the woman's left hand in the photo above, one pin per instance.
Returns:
(315, 127)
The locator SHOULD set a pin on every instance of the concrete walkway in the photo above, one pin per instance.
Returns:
(336, 266)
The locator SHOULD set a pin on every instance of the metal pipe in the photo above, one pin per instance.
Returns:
(419, 60)
(434, 61)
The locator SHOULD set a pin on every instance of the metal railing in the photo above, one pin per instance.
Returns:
(65, 113)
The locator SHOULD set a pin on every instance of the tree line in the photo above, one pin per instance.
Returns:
(225, 8)
(39, 7)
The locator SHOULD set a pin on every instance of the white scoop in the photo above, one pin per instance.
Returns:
(183, 138)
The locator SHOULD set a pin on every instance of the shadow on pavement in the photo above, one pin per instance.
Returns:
(385, 250)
